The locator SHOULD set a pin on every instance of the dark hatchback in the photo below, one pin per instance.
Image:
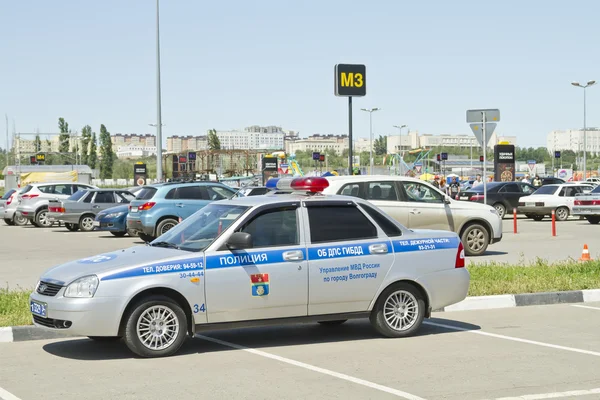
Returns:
(503, 196)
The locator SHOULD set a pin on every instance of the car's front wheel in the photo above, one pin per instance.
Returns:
(476, 239)
(72, 227)
(593, 220)
(399, 311)
(155, 327)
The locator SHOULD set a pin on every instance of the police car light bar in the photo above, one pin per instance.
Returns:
(312, 184)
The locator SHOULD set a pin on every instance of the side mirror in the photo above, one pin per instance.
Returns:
(239, 241)
(447, 199)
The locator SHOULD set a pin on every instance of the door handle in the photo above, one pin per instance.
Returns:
(380, 248)
(96, 206)
(415, 211)
(179, 205)
(295, 255)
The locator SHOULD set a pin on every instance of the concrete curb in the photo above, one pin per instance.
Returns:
(25, 333)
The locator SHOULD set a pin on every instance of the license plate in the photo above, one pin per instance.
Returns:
(96, 223)
(530, 204)
(134, 209)
(38, 308)
(464, 197)
(585, 210)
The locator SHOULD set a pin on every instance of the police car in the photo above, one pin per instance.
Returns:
(292, 256)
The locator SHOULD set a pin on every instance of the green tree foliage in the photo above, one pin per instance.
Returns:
(106, 154)
(37, 144)
(86, 137)
(63, 139)
(93, 156)
(380, 145)
(213, 140)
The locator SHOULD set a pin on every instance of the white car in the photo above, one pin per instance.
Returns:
(548, 198)
(258, 260)
(419, 205)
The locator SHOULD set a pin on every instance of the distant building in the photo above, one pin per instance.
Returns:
(414, 140)
(120, 139)
(572, 139)
(253, 138)
(135, 151)
(178, 144)
(320, 143)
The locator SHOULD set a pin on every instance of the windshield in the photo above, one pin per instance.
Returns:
(197, 232)
(546, 190)
(596, 189)
(77, 195)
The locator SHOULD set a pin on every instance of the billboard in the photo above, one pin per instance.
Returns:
(504, 162)
(269, 168)
(139, 174)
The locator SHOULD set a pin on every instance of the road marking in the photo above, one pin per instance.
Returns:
(515, 339)
(590, 307)
(324, 371)
(555, 395)
(6, 395)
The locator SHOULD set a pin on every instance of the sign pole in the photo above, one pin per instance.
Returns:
(350, 172)
(484, 159)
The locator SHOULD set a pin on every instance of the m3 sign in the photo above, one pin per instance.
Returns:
(350, 80)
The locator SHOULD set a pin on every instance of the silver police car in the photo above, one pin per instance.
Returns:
(291, 256)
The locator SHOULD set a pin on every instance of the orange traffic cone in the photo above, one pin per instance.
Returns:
(585, 254)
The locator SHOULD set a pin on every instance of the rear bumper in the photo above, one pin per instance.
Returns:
(136, 225)
(446, 287)
(9, 213)
(27, 212)
(536, 210)
(589, 211)
(64, 217)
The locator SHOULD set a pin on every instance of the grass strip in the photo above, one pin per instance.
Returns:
(14, 307)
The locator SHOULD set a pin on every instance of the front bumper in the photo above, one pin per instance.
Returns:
(111, 224)
(98, 316)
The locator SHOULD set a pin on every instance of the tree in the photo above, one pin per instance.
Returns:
(86, 136)
(213, 140)
(37, 144)
(63, 139)
(380, 145)
(93, 157)
(107, 160)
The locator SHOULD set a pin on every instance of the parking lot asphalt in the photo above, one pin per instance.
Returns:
(523, 353)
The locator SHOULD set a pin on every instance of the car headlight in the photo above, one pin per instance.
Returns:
(82, 287)
(114, 215)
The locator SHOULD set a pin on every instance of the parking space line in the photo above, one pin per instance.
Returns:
(309, 367)
(555, 395)
(6, 395)
(591, 308)
(515, 339)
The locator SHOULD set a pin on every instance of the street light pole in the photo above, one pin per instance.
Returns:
(370, 111)
(159, 172)
(399, 146)
(590, 83)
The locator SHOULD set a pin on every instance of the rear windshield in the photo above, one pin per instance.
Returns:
(596, 189)
(145, 194)
(8, 194)
(546, 190)
(77, 195)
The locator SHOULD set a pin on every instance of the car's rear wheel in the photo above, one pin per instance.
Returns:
(500, 209)
(105, 338)
(86, 223)
(165, 225)
(19, 220)
(593, 220)
(336, 322)
(41, 219)
(529, 216)
(399, 311)
(9, 221)
(118, 234)
(146, 238)
(72, 227)
(476, 239)
(538, 217)
(562, 213)
(156, 327)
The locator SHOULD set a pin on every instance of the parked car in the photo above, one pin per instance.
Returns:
(114, 219)
(79, 211)
(419, 205)
(4, 198)
(157, 208)
(9, 214)
(548, 198)
(503, 196)
(252, 191)
(33, 201)
(587, 205)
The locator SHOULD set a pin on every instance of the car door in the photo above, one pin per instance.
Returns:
(510, 194)
(268, 281)
(426, 207)
(348, 257)
(103, 200)
(386, 195)
(189, 199)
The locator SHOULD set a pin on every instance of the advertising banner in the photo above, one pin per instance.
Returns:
(39, 177)
(269, 168)
(504, 162)
(139, 174)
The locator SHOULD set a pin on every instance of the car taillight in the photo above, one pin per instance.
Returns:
(10, 199)
(521, 204)
(477, 197)
(146, 206)
(29, 196)
(129, 208)
(587, 202)
(56, 209)
(460, 256)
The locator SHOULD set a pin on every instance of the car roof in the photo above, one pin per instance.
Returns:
(364, 178)
(108, 189)
(279, 197)
(58, 183)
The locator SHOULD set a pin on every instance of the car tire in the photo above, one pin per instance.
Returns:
(132, 233)
(330, 323)
(9, 222)
(593, 220)
(530, 216)
(476, 239)
(561, 213)
(72, 227)
(41, 219)
(105, 338)
(165, 225)
(146, 238)
(20, 220)
(147, 308)
(397, 302)
(86, 223)
(537, 217)
(118, 234)
(500, 209)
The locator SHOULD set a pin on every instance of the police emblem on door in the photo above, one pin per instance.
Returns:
(260, 284)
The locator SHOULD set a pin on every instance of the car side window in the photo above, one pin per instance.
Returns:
(335, 223)
(88, 197)
(192, 193)
(104, 198)
(511, 188)
(421, 193)
(170, 194)
(527, 189)
(562, 192)
(276, 227)
(350, 189)
(382, 191)
(218, 193)
(386, 225)
(124, 197)
(48, 189)
(62, 189)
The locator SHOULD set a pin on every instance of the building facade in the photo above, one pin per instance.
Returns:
(253, 138)
(178, 144)
(135, 151)
(320, 143)
(572, 139)
(146, 140)
(414, 140)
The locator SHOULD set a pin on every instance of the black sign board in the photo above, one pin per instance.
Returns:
(504, 162)
(316, 155)
(557, 154)
(444, 156)
(350, 80)
(40, 157)
(269, 168)
(140, 174)
(192, 156)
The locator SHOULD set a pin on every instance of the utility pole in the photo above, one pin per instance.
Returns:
(6, 117)
(159, 172)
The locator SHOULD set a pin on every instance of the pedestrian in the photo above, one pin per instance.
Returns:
(537, 182)
(526, 179)
(443, 187)
(454, 188)
(477, 181)
(436, 181)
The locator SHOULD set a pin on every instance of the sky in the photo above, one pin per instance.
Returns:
(232, 64)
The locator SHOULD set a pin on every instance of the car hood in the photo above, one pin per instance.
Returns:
(117, 209)
(134, 261)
